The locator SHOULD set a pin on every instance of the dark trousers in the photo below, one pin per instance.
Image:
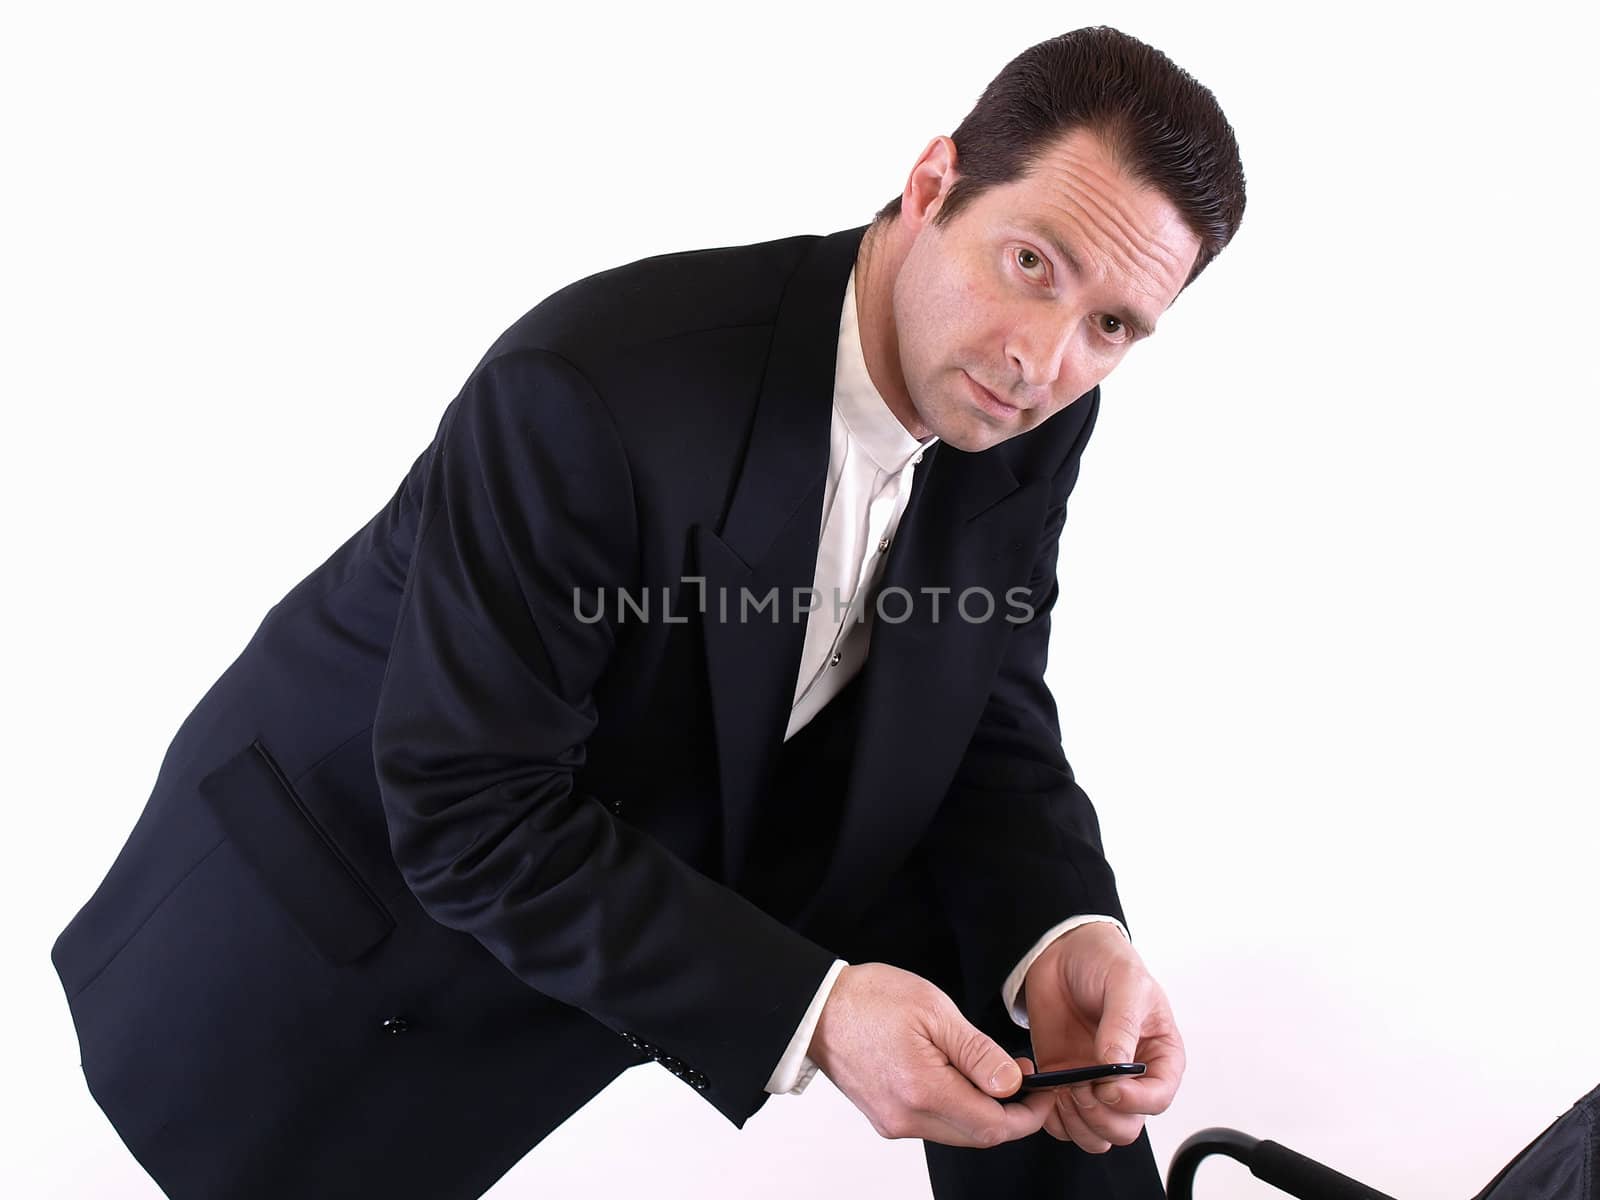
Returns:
(906, 929)
(904, 926)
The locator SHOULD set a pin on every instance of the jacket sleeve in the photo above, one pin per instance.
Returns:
(1015, 845)
(482, 719)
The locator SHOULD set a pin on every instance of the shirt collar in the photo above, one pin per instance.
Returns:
(867, 418)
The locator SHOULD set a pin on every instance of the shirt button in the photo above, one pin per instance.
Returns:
(883, 544)
(917, 459)
(834, 660)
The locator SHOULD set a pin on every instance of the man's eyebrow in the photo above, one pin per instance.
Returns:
(1142, 326)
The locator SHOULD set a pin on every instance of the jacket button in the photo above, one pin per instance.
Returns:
(396, 1025)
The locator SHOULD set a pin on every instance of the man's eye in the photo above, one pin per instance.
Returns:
(1113, 327)
(1027, 260)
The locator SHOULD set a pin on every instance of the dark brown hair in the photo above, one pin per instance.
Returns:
(1163, 127)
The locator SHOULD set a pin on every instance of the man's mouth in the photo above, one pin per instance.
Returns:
(989, 401)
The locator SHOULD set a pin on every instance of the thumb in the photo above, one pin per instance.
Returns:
(1122, 1021)
(981, 1059)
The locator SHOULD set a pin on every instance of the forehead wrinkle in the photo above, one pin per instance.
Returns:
(1137, 273)
(1093, 189)
(1124, 247)
(1087, 178)
(1097, 188)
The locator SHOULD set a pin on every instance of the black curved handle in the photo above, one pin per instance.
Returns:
(1269, 1162)
(1197, 1146)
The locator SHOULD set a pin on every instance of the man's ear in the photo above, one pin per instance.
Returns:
(930, 181)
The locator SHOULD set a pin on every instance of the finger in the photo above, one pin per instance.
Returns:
(1129, 999)
(1061, 1119)
(969, 1111)
(1153, 1091)
(977, 1055)
(1047, 1103)
(1117, 1128)
(1053, 1125)
(1144, 1095)
(1018, 1121)
(1072, 1121)
(991, 1124)
(1042, 1102)
(1024, 1066)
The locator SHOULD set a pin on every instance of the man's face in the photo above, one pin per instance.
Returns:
(1034, 291)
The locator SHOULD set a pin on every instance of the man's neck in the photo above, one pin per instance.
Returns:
(877, 265)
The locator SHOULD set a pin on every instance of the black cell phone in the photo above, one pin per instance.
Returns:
(1049, 1079)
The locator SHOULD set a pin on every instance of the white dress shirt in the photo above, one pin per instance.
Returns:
(871, 456)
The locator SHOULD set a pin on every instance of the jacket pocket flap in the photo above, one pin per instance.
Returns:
(296, 861)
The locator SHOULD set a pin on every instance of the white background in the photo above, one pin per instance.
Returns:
(1330, 572)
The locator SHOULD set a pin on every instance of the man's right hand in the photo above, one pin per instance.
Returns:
(900, 1049)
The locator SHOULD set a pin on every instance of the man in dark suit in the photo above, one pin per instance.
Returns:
(547, 771)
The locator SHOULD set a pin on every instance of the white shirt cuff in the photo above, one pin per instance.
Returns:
(1011, 989)
(795, 1069)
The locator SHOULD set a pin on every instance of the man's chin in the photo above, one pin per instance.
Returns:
(974, 437)
(970, 430)
(974, 444)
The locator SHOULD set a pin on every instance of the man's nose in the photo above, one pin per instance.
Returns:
(1039, 353)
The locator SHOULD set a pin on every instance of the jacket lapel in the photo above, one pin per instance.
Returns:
(967, 525)
(768, 540)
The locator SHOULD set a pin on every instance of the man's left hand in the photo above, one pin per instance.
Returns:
(1091, 1001)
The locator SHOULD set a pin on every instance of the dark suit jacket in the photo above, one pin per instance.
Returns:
(430, 798)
